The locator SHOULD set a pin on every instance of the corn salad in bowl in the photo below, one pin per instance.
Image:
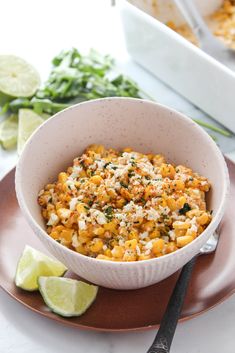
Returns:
(125, 205)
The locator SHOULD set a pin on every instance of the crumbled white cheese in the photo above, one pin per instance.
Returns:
(138, 250)
(144, 235)
(70, 184)
(172, 235)
(64, 213)
(41, 192)
(99, 216)
(149, 245)
(152, 214)
(75, 242)
(54, 219)
(73, 203)
(82, 224)
(164, 210)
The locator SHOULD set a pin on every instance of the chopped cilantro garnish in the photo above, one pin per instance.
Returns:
(90, 203)
(143, 200)
(106, 164)
(184, 209)
(133, 163)
(124, 185)
(109, 213)
(114, 167)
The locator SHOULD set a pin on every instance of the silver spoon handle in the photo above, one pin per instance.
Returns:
(193, 18)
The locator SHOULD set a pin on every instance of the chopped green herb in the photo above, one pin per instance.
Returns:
(184, 209)
(106, 164)
(90, 203)
(133, 163)
(124, 185)
(109, 213)
(114, 167)
(131, 174)
(143, 200)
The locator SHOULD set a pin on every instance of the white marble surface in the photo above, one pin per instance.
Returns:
(37, 30)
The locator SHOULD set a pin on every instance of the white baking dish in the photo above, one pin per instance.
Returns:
(197, 76)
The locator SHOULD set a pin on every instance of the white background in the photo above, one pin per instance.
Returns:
(38, 30)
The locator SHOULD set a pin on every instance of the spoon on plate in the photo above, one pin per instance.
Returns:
(207, 41)
(165, 334)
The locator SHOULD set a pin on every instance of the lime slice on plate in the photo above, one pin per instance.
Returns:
(33, 264)
(28, 122)
(17, 78)
(65, 296)
(9, 132)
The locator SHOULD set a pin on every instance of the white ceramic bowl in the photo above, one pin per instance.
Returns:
(118, 122)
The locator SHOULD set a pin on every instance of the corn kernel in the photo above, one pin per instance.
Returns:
(177, 185)
(154, 234)
(103, 257)
(108, 253)
(62, 177)
(131, 244)
(96, 179)
(99, 149)
(144, 257)
(120, 202)
(81, 249)
(180, 202)
(158, 159)
(118, 251)
(66, 234)
(182, 241)
(96, 245)
(148, 226)
(111, 226)
(171, 203)
(203, 219)
(129, 255)
(181, 225)
(158, 246)
(99, 231)
(167, 170)
(133, 234)
(170, 247)
(127, 149)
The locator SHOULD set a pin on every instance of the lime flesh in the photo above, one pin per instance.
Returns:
(67, 297)
(28, 122)
(17, 78)
(33, 264)
(9, 132)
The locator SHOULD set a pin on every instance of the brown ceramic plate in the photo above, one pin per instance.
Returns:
(213, 278)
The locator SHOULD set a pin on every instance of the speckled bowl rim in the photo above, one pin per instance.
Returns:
(215, 220)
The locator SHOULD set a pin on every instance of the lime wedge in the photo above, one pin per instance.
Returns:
(28, 122)
(65, 296)
(17, 78)
(33, 264)
(9, 132)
